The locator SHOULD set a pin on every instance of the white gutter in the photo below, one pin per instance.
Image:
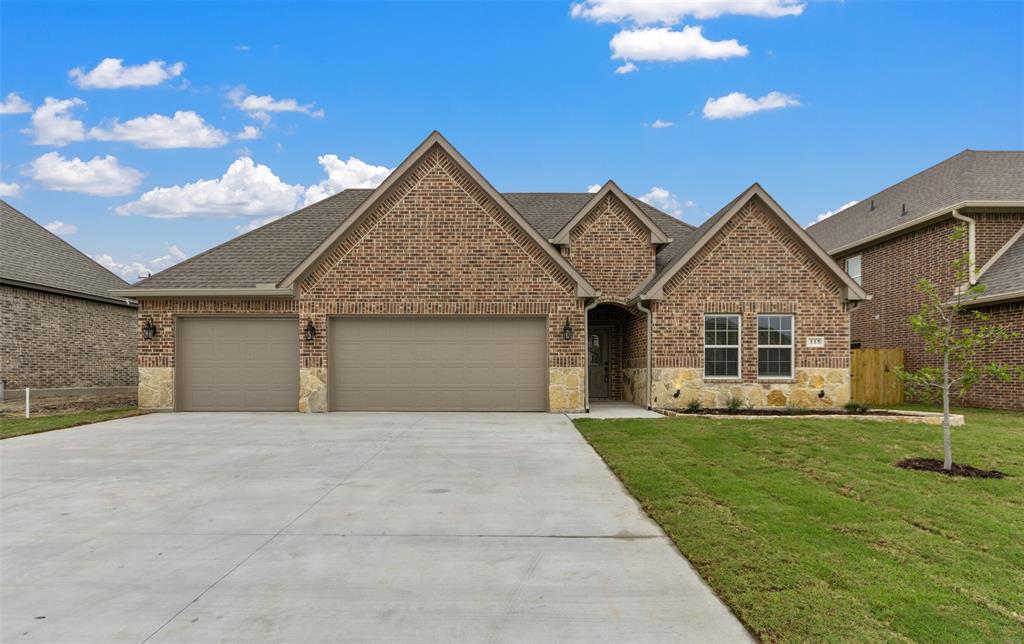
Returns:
(205, 292)
(925, 219)
(990, 299)
(972, 273)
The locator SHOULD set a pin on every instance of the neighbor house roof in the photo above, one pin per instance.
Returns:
(970, 179)
(1003, 277)
(33, 257)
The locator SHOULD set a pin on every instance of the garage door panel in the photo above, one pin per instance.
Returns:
(472, 364)
(238, 364)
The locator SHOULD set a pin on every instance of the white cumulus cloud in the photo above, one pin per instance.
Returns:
(183, 130)
(261, 107)
(825, 215)
(111, 73)
(594, 187)
(131, 270)
(15, 104)
(58, 227)
(53, 124)
(672, 11)
(245, 189)
(661, 125)
(9, 189)
(738, 105)
(627, 68)
(248, 133)
(100, 176)
(665, 201)
(665, 44)
(353, 173)
(257, 223)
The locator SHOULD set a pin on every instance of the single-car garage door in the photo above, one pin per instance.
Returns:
(237, 364)
(438, 364)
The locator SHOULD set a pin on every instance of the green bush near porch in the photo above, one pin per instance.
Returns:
(808, 531)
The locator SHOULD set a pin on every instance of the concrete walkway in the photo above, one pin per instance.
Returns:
(335, 527)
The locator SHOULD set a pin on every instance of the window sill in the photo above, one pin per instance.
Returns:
(778, 379)
(722, 379)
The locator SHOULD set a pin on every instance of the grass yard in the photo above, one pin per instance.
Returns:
(10, 427)
(808, 532)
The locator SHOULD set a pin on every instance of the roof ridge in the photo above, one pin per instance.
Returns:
(66, 243)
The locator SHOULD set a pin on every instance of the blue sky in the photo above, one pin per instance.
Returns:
(862, 94)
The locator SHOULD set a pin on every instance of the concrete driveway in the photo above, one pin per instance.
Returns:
(335, 527)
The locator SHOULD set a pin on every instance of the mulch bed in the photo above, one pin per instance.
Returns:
(935, 465)
(782, 411)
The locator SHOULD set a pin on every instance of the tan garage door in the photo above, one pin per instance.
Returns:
(237, 364)
(438, 364)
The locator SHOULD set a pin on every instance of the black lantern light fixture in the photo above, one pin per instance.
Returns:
(149, 329)
(310, 331)
(567, 330)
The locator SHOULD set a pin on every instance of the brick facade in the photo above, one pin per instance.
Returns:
(612, 249)
(890, 271)
(727, 276)
(49, 340)
(435, 245)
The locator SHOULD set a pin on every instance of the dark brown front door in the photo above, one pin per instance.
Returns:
(597, 362)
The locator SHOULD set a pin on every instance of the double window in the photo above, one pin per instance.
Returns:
(723, 350)
(775, 346)
(721, 346)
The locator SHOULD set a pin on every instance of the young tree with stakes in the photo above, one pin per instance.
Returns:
(956, 333)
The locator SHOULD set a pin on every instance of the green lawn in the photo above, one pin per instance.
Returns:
(808, 532)
(10, 427)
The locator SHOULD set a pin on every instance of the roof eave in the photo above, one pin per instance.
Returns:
(995, 298)
(921, 221)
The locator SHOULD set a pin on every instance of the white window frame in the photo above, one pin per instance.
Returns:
(791, 346)
(738, 346)
(860, 267)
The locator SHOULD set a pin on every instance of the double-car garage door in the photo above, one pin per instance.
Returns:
(376, 364)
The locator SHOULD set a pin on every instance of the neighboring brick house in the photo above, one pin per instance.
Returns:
(60, 327)
(899, 236)
(436, 292)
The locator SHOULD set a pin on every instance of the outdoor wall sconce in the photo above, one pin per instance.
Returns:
(567, 330)
(310, 332)
(148, 329)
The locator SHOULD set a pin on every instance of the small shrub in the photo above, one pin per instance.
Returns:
(854, 407)
(734, 404)
(694, 406)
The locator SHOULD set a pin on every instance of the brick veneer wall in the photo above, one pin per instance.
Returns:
(54, 341)
(729, 276)
(435, 245)
(890, 271)
(612, 249)
(992, 392)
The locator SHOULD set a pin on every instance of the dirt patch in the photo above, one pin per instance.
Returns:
(66, 405)
(935, 465)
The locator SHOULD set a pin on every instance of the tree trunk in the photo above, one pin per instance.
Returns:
(947, 434)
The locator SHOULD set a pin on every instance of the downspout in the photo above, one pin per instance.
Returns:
(972, 273)
(586, 353)
(650, 334)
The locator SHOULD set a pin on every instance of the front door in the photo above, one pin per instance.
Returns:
(597, 363)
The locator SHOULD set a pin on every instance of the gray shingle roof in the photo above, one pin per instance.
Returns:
(30, 254)
(971, 175)
(1006, 276)
(268, 254)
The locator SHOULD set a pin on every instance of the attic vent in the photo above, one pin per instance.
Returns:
(872, 206)
(903, 213)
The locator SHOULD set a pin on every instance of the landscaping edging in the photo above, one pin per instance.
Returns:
(890, 416)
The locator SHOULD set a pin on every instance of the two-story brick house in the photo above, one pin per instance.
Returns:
(893, 239)
(436, 292)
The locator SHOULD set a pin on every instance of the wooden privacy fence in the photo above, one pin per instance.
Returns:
(873, 378)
